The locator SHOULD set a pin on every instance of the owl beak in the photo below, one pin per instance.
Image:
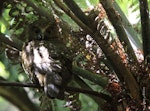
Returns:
(40, 36)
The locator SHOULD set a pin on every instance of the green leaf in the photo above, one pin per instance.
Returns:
(86, 4)
(2, 27)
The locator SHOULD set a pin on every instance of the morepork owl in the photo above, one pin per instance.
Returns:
(43, 59)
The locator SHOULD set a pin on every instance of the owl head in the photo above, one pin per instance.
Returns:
(43, 30)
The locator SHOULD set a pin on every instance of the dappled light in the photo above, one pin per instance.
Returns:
(76, 55)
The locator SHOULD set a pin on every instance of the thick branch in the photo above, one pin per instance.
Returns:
(77, 11)
(145, 27)
(72, 15)
(119, 67)
(116, 21)
(128, 27)
(121, 70)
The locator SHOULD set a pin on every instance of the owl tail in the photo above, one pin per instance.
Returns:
(53, 86)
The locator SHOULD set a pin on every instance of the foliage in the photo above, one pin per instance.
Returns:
(105, 46)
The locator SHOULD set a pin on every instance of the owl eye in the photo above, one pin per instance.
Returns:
(47, 33)
(36, 30)
(37, 34)
(48, 30)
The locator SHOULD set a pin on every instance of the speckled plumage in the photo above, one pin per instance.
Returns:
(44, 62)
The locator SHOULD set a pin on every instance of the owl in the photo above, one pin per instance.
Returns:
(43, 59)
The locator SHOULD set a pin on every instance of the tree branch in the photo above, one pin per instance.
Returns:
(99, 100)
(18, 97)
(72, 15)
(121, 70)
(98, 79)
(116, 21)
(128, 27)
(69, 89)
(145, 24)
(78, 12)
(9, 42)
(119, 67)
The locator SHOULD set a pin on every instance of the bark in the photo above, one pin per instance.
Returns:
(145, 24)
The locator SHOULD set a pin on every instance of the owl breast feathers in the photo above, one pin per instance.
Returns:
(46, 67)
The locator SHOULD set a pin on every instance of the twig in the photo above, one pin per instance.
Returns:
(69, 89)
(17, 84)
(94, 93)
(101, 99)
